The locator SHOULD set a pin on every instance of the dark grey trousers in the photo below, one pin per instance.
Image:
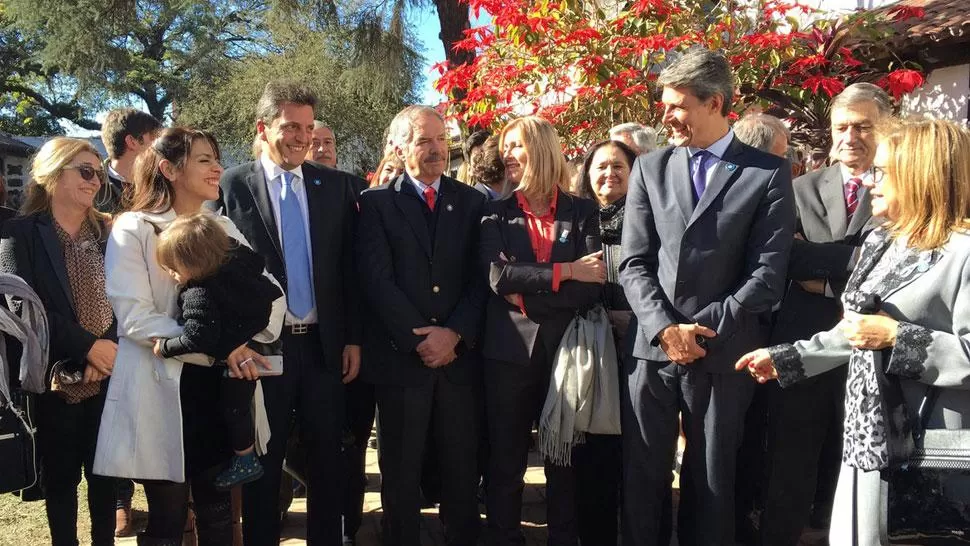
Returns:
(713, 406)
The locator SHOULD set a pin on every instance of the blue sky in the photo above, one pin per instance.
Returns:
(424, 21)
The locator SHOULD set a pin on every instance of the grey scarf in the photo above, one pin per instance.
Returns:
(25, 320)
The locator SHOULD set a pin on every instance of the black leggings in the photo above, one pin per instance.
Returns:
(168, 504)
(236, 398)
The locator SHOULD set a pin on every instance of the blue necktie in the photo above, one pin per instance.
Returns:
(299, 289)
(698, 172)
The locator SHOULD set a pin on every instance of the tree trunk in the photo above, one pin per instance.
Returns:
(453, 15)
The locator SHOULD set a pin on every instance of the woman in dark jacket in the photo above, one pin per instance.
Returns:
(57, 247)
(604, 178)
(541, 248)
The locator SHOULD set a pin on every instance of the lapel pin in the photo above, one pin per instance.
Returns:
(731, 166)
(316, 182)
(449, 208)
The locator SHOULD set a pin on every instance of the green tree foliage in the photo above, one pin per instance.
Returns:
(150, 49)
(32, 98)
(360, 84)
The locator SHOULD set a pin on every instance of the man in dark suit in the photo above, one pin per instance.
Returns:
(834, 216)
(125, 133)
(300, 216)
(417, 248)
(708, 228)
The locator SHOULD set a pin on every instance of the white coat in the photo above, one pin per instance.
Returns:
(141, 427)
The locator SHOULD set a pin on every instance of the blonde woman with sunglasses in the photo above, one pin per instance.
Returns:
(57, 246)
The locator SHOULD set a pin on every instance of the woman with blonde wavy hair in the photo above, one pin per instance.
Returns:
(905, 329)
(541, 247)
(57, 246)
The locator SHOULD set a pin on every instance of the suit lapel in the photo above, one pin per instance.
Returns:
(724, 171)
(833, 199)
(410, 207)
(448, 210)
(318, 209)
(565, 230)
(863, 213)
(55, 254)
(256, 180)
(678, 175)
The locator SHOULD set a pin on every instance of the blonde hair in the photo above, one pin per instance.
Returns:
(46, 169)
(546, 170)
(195, 242)
(929, 167)
(389, 157)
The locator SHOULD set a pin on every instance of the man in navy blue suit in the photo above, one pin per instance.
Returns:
(707, 232)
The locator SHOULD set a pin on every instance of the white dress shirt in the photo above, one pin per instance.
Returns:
(717, 150)
(274, 183)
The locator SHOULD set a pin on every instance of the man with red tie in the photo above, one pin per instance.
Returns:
(833, 206)
(425, 291)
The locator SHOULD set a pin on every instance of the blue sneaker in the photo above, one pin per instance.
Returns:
(242, 469)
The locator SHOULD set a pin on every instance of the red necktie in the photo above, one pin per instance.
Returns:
(852, 195)
(429, 195)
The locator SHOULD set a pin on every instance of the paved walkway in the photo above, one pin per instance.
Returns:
(534, 522)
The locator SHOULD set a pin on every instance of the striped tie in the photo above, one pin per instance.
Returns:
(852, 195)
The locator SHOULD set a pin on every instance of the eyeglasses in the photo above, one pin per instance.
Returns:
(878, 175)
(87, 172)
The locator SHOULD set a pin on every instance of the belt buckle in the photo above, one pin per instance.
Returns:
(299, 329)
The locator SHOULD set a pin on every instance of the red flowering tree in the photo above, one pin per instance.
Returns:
(588, 65)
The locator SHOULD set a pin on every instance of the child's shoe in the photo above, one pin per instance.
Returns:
(242, 469)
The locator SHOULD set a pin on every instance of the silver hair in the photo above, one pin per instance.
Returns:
(704, 72)
(644, 137)
(317, 124)
(864, 92)
(402, 126)
(760, 130)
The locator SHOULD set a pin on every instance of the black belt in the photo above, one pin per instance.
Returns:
(300, 329)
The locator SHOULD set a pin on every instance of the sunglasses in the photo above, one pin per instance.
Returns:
(87, 172)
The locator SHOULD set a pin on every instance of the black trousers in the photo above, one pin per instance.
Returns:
(206, 447)
(514, 395)
(311, 387)
(598, 466)
(168, 504)
(406, 415)
(805, 451)
(752, 467)
(713, 407)
(236, 398)
(361, 405)
(67, 437)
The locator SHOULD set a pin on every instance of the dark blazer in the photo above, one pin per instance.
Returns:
(720, 263)
(30, 249)
(511, 336)
(412, 280)
(826, 253)
(108, 199)
(332, 206)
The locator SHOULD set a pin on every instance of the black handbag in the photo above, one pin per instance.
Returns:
(18, 446)
(939, 449)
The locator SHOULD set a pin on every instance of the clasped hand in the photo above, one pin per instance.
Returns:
(679, 341)
(100, 360)
(873, 332)
(438, 347)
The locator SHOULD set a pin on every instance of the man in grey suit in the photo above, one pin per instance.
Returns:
(834, 216)
(708, 229)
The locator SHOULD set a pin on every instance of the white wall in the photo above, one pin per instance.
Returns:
(945, 95)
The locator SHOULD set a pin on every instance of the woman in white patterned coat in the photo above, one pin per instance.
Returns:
(906, 324)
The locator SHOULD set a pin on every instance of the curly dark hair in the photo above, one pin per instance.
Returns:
(489, 169)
